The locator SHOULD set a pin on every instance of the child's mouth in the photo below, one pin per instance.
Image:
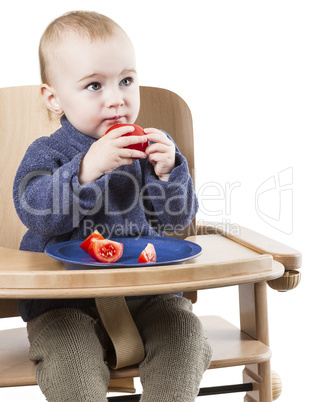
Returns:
(114, 120)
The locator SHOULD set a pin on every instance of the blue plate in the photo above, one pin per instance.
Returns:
(169, 251)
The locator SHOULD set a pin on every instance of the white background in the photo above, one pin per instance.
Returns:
(244, 68)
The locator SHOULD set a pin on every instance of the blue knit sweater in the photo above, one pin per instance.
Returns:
(129, 201)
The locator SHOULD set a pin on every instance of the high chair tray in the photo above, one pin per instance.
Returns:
(223, 262)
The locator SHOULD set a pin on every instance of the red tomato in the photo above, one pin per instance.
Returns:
(148, 254)
(94, 236)
(105, 250)
(138, 131)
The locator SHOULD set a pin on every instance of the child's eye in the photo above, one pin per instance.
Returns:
(94, 86)
(126, 81)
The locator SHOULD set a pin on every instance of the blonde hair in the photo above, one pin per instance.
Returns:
(85, 23)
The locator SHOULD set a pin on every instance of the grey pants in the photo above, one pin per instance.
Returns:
(68, 346)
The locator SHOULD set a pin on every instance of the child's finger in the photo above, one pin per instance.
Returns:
(157, 147)
(132, 154)
(125, 141)
(155, 135)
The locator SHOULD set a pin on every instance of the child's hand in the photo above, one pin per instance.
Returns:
(161, 153)
(108, 153)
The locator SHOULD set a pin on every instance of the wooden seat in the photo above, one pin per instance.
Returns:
(231, 347)
(245, 259)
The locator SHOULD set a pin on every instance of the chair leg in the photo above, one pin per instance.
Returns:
(254, 322)
(260, 376)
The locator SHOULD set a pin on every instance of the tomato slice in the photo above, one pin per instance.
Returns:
(105, 250)
(148, 254)
(94, 236)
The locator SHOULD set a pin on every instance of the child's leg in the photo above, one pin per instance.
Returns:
(177, 352)
(67, 347)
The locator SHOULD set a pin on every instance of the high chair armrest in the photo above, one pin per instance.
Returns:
(288, 256)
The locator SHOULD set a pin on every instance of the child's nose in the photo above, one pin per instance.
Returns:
(114, 98)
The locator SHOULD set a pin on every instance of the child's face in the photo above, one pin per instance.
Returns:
(95, 83)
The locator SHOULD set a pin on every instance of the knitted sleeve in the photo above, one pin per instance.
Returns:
(47, 195)
(173, 204)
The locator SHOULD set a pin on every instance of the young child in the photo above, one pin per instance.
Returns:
(78, 179)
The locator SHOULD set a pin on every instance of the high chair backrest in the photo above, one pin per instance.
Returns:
(24, 117)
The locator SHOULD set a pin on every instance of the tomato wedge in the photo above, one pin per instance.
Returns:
(148, 254)
(105, 250)
(94, 236)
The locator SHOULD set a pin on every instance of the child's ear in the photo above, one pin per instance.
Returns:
(50, 99)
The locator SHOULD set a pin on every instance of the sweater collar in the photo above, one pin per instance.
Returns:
(74, 134)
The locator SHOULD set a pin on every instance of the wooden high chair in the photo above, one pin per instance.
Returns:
(245, 258)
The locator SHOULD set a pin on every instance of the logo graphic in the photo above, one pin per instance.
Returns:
(274, 201)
